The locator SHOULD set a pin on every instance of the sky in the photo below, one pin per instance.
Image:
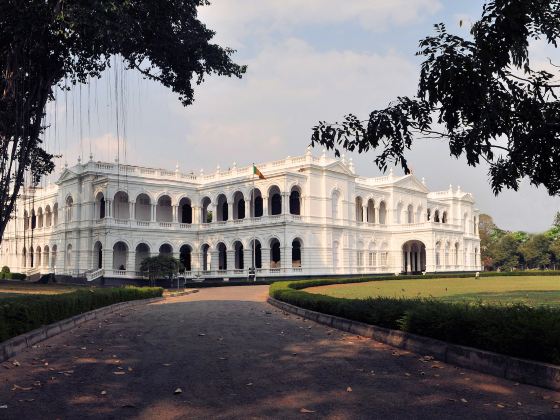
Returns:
(307, 61)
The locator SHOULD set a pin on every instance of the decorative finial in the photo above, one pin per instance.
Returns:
(343, 158)
(423, 181)
(79, 160)
(458, 189)
(308, 151)
(201, 172)
(177, 167)
(66, 164)
(234, 165)
(90, 156)
(218, 169)
(351, 164)
(391, 172)
(116, 159)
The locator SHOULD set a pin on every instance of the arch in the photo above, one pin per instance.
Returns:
(121, 206)
(275, 253)
(456, 254)
(256, 203)
(296, 253)
(33, 219)
(446, 255)
(164, 210)
(25, 220)
(205, 254)
(428, 214)
(100, 205)
(274, 201)
(142, 252)
(371, 211)
(185, 211)
(48, 216)
(37, 257)
(239, 257)
(410, 214)
(382, 213)
(436, 216)
(444, 217)
(53, 256)
(55, 214)
(205, 214)
(419, 214)
(68, 257)
(295, 201)
(222, 209)
(143, 207)
(438, 254)
(359, 209)
(120, 255)
(466, 227)
(98, 255)
(185, 254)
(335, 204)
(256, 254)
(39, 217)
(166, 250)
(46, 256)
(222, 256)
(238, 206)
(414, 257)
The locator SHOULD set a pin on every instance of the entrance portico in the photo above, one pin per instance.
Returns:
(414, 257)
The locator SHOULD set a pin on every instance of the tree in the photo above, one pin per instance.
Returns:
(536, 251)
(59, 43)
(480, 94)
(160, 266)
(505, 251)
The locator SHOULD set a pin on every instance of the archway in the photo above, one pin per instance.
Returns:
(414, 257)
(256, 254)
(239, 260)
(238, 206)
(359, 209)
(164, 211)
(275, 254)
(121, 206)
(98, 255)
(166, 250)
(185, 208)
(382, 213)
(371, 211)
(205, 215)
(142, 252)
(205, 257)
(295, 201)
(100, 206)
(222, 256)
(275, 201)
(296, 253)
(222, 209)
(120, 254)
(143, 208)
(256, 203)
(185, 257)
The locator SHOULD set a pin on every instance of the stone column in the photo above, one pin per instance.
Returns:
(230, 255)
(285, 203)
(195, 261)
(153, 212)
(248, 209)
(214, 210)
(265, 206)
(214, 260)
(230, 211)
(364, 213)
(247, 258)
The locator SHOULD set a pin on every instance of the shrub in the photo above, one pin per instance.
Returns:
(25, 313)
(5, 269)
(514, 330)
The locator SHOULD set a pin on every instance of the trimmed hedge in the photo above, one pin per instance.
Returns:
(12, 276)
(513, 330)
(22, 314)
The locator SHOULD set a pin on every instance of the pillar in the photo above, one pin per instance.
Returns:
(364, 213)
(153, 213)
(214, 210)
(248, 210)
(131, 210)
(230, 212)
(214, 260)
(175, 213)
(265, 206)
(265, 257)
(230, 256)
(247, 258)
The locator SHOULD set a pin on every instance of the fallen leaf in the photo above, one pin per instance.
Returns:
(178, 391)
(305, 410)
(128, 406)
(464, 400)
(201, 334)
(349, 389)
(4, 406)
(119, 373)
(166, 364)
(500, 406)
(250, 383)
(16, 363)
(103, 392)
(407, 374)
(21, 388)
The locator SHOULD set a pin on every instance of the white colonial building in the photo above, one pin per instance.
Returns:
(310, 216)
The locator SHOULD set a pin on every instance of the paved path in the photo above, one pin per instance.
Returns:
(234, 356)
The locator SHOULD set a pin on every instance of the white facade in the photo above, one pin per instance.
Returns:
(310, 216)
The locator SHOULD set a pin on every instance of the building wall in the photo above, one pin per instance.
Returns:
(335, 235)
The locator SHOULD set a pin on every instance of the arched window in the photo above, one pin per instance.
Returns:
(98, 255)
(222, 209)
(39, 217)
(428, 215)
(69, 264)
(295, 201)
(222, 256)
(142, 252)
(166, 250)
(239, 257)
(256, 203)
(164, 211)
(399, 212)
(438, 254)
(46, 256)
(38, 257)
(436, 216)
(256, 254)
(55, 214)
(447, 248)
(185, 257)
(382, 213)
(204, 249)
(33, 219)
(53, 256)
(100, 205)
(121, 206)
(335, 202)
(456, 254)
(185, 209)
(410, 214)
(275, 256)
(371, 211)
(238, 206)
(444, 217)
(359, 209)
(48, 216)
(25, 220)
(205, 214)
(274, 201)
(120, 254)
(296, 253)
(143, 208)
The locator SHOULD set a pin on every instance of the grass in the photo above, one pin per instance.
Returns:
(530, 290)
(8, 291)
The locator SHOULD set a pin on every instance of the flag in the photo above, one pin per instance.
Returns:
(257, 172)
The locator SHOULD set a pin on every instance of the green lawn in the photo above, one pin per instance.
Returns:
(532, 291)
(12, 290)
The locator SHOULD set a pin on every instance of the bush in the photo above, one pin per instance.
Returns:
(19, 315)
(5, 269)
(12, 276)
(514, 330)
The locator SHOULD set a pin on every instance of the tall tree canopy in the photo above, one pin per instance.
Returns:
(45, 44)
(481, 94)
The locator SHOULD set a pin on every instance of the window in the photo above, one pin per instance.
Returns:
(372, 259)
(360, 258)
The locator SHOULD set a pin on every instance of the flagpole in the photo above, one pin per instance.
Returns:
(253, 220)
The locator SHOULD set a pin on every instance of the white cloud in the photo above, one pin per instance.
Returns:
(235, 19)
